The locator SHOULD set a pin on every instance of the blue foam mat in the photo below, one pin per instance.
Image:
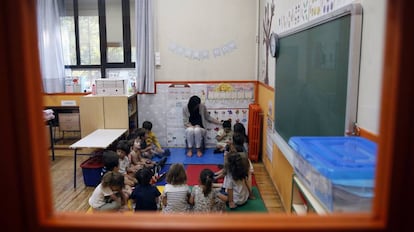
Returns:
(178, 155)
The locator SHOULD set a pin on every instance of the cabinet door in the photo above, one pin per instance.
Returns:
(91, 114)
(116, 112)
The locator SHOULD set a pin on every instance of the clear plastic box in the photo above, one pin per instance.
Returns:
(339, 171)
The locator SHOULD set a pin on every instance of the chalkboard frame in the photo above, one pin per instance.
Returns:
(354, 11)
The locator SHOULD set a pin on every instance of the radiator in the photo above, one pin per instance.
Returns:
(255, 131)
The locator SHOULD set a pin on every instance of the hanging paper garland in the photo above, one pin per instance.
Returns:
(202, 54)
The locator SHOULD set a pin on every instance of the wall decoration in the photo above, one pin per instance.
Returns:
(202, 54)
(223, 101)
(267, 26)
(307, 10)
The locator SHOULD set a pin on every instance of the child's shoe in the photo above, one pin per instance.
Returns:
(167, 152)
(161, 176)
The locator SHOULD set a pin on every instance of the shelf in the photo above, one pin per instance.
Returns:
(300, 209)
(303, 201)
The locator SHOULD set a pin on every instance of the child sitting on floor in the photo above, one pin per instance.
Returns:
(145, 195)
(123, 149)
(176, 191)
(235, 181)
(224, 137)
(152, 140)
(141, 144)
(137, 153)
(111, 164)
(108, 196)
(204, 197)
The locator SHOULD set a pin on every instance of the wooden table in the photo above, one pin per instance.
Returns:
(99, 139)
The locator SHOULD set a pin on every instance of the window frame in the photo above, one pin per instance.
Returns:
(126, 17)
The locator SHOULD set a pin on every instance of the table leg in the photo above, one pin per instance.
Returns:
(74, 167)
(52, 140)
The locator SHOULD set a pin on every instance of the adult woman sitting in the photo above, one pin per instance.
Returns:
(195, 117)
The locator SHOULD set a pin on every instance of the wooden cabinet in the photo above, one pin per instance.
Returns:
(303, 202)
(108, 112)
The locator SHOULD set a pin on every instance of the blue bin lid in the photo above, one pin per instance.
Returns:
(339, 158)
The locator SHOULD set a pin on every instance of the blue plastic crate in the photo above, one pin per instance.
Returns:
(91, 170)
(340, 171)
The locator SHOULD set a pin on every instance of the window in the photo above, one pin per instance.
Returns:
(97, 35)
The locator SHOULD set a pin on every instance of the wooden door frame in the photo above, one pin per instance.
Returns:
(26, 176)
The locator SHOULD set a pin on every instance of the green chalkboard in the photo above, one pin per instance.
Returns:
(315, 85)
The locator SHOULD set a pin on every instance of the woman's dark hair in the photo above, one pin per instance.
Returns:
(206, 179)
(144, 176)
(193, 103)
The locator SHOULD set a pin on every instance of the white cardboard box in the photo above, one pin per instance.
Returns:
(111, 87)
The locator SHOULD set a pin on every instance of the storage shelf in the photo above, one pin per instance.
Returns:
(303, 201)
(300, 209)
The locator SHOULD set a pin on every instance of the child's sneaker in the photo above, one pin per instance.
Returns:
(156, 169)
(161, 176)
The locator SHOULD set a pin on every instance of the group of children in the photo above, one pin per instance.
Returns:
(132, 175)
(128, 168)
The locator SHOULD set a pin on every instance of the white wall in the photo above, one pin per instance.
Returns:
(372, 50)
(205, 26)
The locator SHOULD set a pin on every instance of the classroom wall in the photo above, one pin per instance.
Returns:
(226, 30)
(201, 40)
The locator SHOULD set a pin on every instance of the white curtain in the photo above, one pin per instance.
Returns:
(145, 66)
(50, 46)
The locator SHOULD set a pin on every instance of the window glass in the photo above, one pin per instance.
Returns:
(114, 33)
(133, 30)
(67, 31)
(87, 77)
(89, 32)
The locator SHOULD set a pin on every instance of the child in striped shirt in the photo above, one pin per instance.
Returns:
(176, 192)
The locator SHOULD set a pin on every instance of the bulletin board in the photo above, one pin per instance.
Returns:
(164, 109)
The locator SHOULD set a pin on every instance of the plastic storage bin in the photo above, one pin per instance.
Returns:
(91, 170)
(339, 171)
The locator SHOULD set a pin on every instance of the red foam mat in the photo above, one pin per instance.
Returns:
(193, 173)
